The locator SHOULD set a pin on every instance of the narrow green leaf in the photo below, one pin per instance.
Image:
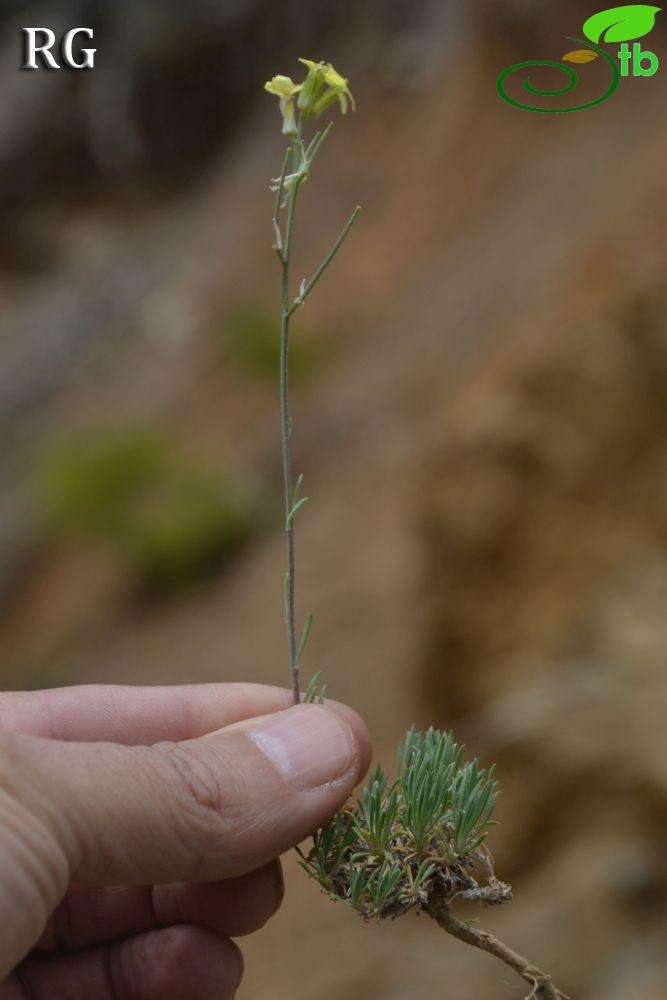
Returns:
(311, 145)
(311, 690)
(316, 145)
(297, 488)
(277, 238)
(295, 509)
(307, 625)
(307, 288)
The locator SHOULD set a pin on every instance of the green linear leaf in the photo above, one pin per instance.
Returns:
(295, 509)
(307, 625)
(311, 691)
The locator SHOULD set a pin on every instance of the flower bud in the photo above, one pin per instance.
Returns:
(322, 87)
(311, 88)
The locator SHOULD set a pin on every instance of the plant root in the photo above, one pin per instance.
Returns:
(541, 983)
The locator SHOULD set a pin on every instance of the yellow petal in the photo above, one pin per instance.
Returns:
(310, 64)
(282, 86)
(580, 56)
(333, 78)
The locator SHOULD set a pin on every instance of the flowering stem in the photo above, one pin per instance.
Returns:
(302, 161)
(286, 423)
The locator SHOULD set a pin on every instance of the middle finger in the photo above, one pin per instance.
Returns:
(90, 915)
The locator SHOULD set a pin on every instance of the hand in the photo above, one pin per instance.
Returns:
(140, 827)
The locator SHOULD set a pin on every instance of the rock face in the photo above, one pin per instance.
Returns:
(545, 533)
(553, 484)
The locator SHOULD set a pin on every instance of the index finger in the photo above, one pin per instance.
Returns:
(136, 715)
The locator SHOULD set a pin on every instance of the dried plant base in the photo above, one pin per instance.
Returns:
(417, 843)
(470, 879)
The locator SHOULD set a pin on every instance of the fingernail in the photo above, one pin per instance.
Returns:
(310, 745)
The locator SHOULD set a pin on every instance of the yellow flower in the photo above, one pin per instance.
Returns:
(284, 88)
(322, 87)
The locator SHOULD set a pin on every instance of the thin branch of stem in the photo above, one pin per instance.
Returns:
(542, 988)
(308, 286)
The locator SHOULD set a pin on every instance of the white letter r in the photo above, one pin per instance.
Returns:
(32, 48)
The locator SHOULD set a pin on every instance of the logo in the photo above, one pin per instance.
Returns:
(40, 42)
(619, 24)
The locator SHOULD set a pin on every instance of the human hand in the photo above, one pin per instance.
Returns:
(140, 827)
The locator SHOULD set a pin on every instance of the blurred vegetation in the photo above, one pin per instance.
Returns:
(171, 521)
(250, 338)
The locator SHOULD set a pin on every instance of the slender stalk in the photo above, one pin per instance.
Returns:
(286, 423)
(541, 985)
(288, 185)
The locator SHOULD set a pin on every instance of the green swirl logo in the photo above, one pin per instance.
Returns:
(619, 24)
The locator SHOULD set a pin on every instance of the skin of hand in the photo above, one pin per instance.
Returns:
(140, 830)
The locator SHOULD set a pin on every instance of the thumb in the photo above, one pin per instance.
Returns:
(202, 809)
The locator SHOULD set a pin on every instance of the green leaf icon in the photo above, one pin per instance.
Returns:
(621, 24)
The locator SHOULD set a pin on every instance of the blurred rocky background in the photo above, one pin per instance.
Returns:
(480, 414)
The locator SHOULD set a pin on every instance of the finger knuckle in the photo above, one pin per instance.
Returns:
(204, 794)
(193, 962)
